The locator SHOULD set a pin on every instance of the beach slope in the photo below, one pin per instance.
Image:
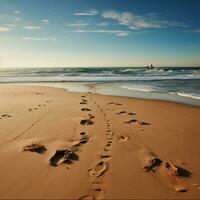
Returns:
(63, 145)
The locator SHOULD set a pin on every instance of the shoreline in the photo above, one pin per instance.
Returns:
(110, 89)
(151, 145)
(173, 84)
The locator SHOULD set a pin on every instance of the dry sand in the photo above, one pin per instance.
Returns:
(95, 146)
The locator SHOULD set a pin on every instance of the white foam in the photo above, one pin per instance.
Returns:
(188, 95)
(136, 88)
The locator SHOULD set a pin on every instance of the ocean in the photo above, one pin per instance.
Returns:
(179, 84)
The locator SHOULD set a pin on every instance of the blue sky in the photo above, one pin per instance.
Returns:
(61, 33)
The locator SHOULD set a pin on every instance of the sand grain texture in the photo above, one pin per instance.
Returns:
(107, 148)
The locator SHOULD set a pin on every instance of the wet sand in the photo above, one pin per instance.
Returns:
(63, 145)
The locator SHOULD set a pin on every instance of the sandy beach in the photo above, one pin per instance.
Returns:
(63, 145)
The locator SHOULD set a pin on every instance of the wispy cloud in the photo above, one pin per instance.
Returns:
(91, 12)
(4, 29)
(17, 19)
(32, 27)
(77, 24)
(16, 12)
(40, 39)
(45, 21)
(119, 33)
(197, 30)
(10, 25)
(136, 22)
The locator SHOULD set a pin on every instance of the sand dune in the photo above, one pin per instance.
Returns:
(62, 145)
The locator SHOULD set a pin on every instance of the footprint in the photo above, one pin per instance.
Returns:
(143, 123)
(107, 147)
(177, 171)
(75, 147)
(39, 93)
(86, 122)
(85, 109)
(110, 134)
(84, 139)
(131, 113)
(131, 121)
(118, 104)
(97, 190)
(38, 148)
(96, 186)
(105, 157)
(30, 109)
(108, 126)
(63, 156)
(91, 116)
(173, 175)
(83, 103)
(110, 103)
(124, 138)
(99, 169)
(121, 112)
(110, 141)
(82, 133)
(152, 164)
(109, 131)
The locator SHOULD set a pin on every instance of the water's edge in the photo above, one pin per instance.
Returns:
(113, 90)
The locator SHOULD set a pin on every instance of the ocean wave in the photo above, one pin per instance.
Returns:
(189, 95)
(136, 89)
(113, 71)
(158, 90)
(129, 70)
(182, 81)
(90, 78)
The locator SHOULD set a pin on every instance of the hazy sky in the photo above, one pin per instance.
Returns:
(99, 33)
